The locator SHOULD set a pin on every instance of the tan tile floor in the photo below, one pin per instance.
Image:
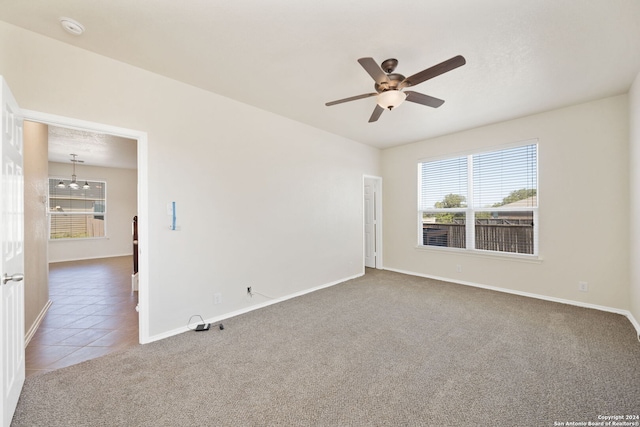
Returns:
(92, 314)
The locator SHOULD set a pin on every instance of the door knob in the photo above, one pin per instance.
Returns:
(16, 278)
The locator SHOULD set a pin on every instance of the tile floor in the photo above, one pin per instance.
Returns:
(92, 314)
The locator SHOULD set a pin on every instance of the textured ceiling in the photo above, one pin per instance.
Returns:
(290, 57)
(93, 149)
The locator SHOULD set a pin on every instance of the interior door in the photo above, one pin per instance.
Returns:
(12, 360)
(369, 224)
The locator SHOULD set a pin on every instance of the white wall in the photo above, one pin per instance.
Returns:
(634, 175)
(122, 196)
(583, 206)
(262, 201)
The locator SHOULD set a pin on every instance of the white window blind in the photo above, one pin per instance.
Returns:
(505, 176)
(441, 178)
(486, 201)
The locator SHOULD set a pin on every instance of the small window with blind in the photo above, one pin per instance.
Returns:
(77, 210)
(485, 201)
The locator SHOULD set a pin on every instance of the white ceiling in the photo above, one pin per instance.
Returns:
(290, 57)
(95, 149)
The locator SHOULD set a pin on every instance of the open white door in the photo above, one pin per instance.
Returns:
(369, 225)
(12, 360)
(371, 222)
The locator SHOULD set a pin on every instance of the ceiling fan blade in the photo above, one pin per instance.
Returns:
(376, 114)
(421, 98)
(353, 98)
(436, 70)
(374, 70)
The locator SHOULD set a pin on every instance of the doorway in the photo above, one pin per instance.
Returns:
(84, 239)
(372, 195)
(142, 200)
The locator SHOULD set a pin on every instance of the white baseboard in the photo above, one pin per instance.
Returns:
(34, 328)
(250, 308)
(626, 313)
(635, 323)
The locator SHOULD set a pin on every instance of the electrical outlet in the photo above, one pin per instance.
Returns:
(583, 286)
(249, 290)
(217, 298)
(458, 268)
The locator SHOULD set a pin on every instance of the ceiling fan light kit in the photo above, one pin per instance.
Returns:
(389, 85)
(390, 99)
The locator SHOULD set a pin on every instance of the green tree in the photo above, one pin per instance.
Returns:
(451, 201)
(515, 195)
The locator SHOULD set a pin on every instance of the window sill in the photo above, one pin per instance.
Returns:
(534, 259)
(79, 239)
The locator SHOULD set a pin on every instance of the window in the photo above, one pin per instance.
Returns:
(485, 201)
(77, 213)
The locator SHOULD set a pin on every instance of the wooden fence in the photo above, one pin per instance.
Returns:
(515, 238)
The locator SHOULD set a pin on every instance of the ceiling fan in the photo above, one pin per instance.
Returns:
(389, 85)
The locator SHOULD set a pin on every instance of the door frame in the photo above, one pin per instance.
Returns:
(143, 199)
(378, 215)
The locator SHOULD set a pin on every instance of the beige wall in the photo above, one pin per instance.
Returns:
(262, 201)
(36, 284)
(122, 185)
(583, 206)
(634, 173)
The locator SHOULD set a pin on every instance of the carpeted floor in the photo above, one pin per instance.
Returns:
(385, 349)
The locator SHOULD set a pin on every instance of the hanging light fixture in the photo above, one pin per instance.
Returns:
(74, 182)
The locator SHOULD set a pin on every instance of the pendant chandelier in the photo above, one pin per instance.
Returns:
(74, 183)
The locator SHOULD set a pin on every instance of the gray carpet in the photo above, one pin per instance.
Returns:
(385, 349)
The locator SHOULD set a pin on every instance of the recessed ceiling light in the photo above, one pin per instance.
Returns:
(72, 26)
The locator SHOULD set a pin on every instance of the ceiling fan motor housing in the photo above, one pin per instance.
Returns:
(392, 84)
